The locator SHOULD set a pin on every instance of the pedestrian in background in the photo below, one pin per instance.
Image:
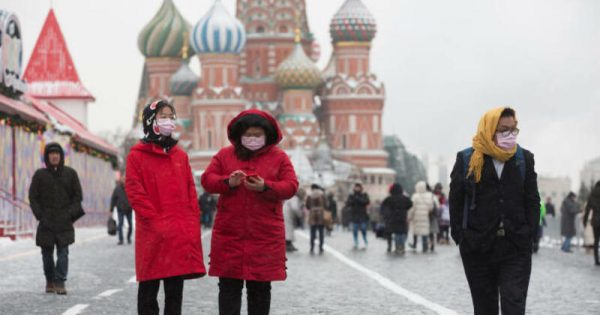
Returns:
(161, 190)
(568, 211)
(444, 215)
(540, 233)
(316, 203)
(208, 204)
(434, 225)
(494, 214)
(120, 201)
(55, 198)
(292, 209)
(332, 207)
(394, 211)
(423, 203)
(593, 208)
(550, 209)
(253, 177)
(357, 204)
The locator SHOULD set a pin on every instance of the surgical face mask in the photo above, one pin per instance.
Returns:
(165, 126)
(506, 141)
(253, 143)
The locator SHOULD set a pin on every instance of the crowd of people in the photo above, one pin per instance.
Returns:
(253, 202)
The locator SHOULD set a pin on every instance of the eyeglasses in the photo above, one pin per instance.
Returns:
(508, 132)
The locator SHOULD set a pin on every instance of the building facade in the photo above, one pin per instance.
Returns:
(264, 57)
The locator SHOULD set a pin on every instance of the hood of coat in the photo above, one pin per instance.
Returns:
(264, 114)
(421, 187)
(150, 147)
(54, 147)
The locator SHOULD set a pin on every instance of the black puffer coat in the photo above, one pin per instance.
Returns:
(54, 195)
(358, 202)
(394, 210)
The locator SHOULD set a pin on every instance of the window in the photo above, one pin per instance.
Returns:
(283, 29)
(260, 29)
(375, 123)
(209, 136)
(344, 144)
(352, 123)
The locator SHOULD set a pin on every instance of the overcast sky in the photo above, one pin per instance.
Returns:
(444, 63)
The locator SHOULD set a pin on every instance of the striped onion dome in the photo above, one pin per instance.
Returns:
(298, 72)
(184, 81)
(164, 35)
(353, 23)
(218, 32)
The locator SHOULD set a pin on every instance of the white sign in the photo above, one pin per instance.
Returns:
(11, 52)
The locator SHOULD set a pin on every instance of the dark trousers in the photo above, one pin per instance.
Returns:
(504, 271)
(55, 272)
(207, 218)
(444, 233)
(121, 216)
(148, 291)
(313, 235)
(596, 241)
(230, 296)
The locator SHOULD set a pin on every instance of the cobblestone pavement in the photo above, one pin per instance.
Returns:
(341, 281)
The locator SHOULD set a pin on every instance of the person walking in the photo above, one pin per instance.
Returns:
(292, 209)
(540, 233)
(593, 207)
(494, 214)
(568, 212)
(333, 208)
(161, 190)
(357, 203)
(208, 206)
(316, 204)
(124, 210)
(550, 209)
(253, 177)
(423, 203)
(394, 210)
(444, 215)
(55, 198)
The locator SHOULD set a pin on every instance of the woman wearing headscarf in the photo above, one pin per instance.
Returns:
(253, 177)
(161, 190)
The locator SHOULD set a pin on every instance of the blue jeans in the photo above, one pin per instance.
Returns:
(313, 235)
(399, 239)
(58, 272)
(207, 218)
(121, 216)
(566, 246)
(363, 230)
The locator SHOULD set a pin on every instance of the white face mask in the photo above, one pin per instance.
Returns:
(253, 143)
(166, 126)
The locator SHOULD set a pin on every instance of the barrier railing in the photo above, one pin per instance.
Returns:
(16, 219)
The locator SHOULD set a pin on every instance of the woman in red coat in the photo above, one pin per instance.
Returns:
(253, 177)
(161, 190)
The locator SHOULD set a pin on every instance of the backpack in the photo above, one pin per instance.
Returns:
(466, 158)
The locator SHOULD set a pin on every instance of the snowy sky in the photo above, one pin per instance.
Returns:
(444, 63)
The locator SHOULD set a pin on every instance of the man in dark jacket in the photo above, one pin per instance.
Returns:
(120, 201)
(207, 207)
(568, 212)
(394, 210)
(55, 199)
(550, 209)
(358, 202)
(494, 214)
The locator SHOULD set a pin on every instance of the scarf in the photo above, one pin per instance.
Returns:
(151, 132)
(483, 143)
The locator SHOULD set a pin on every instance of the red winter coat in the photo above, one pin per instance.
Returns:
(161, 190)
(248, 238)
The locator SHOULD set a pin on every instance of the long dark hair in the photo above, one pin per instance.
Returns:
(241, 125)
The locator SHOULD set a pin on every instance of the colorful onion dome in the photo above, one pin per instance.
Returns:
(164, 35)
(353, 23)
(184, 81)
(218, 32)
(298, 72)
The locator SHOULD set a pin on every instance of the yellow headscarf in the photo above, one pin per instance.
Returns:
(483, 143)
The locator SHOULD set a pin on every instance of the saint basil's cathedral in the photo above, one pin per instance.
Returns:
(265, 57)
